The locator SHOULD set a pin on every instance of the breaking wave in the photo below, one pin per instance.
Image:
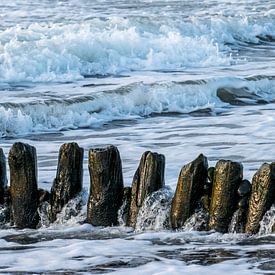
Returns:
(43, 52)
(131, 102)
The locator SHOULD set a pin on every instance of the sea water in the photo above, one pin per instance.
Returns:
(142, 75)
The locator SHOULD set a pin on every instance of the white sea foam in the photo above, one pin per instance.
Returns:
(61, 53)
(56, 52)
(129, 102)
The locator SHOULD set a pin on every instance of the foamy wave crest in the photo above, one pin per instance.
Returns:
(58, 52)
(129, 102)
(61, 53)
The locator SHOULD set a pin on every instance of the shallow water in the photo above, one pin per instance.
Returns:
(142, 75)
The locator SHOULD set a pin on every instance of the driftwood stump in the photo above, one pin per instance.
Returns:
(227, 178)
(68, 181)
(262, 196)
(3, 175)
(239, 219)
(148, 178)
(106, 190)
(190, 188)
(126, 200)
(23, 185)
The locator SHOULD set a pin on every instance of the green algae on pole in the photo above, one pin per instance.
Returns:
(148, 178)
(190, 188)
(262, 196)
(106, 186)
(23, 185)
(68, 181)
(227, 177)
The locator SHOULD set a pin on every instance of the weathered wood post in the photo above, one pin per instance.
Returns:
(227, 177)
(190, 189)
(23, 185)
(148, 178)
(262, 196)
(239, 219)
(124, 210)
(3, 175)
(106, 190)
(68, 181)
(5, 202)
(206, 197)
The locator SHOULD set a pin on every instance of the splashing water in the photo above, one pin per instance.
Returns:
(72, 213)
(197, 222)
(154, 213)
(267, 224)
(122, 213)
(44, 213)
(4, 213)
(236, 225)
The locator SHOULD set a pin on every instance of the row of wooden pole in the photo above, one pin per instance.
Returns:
(219, 191)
